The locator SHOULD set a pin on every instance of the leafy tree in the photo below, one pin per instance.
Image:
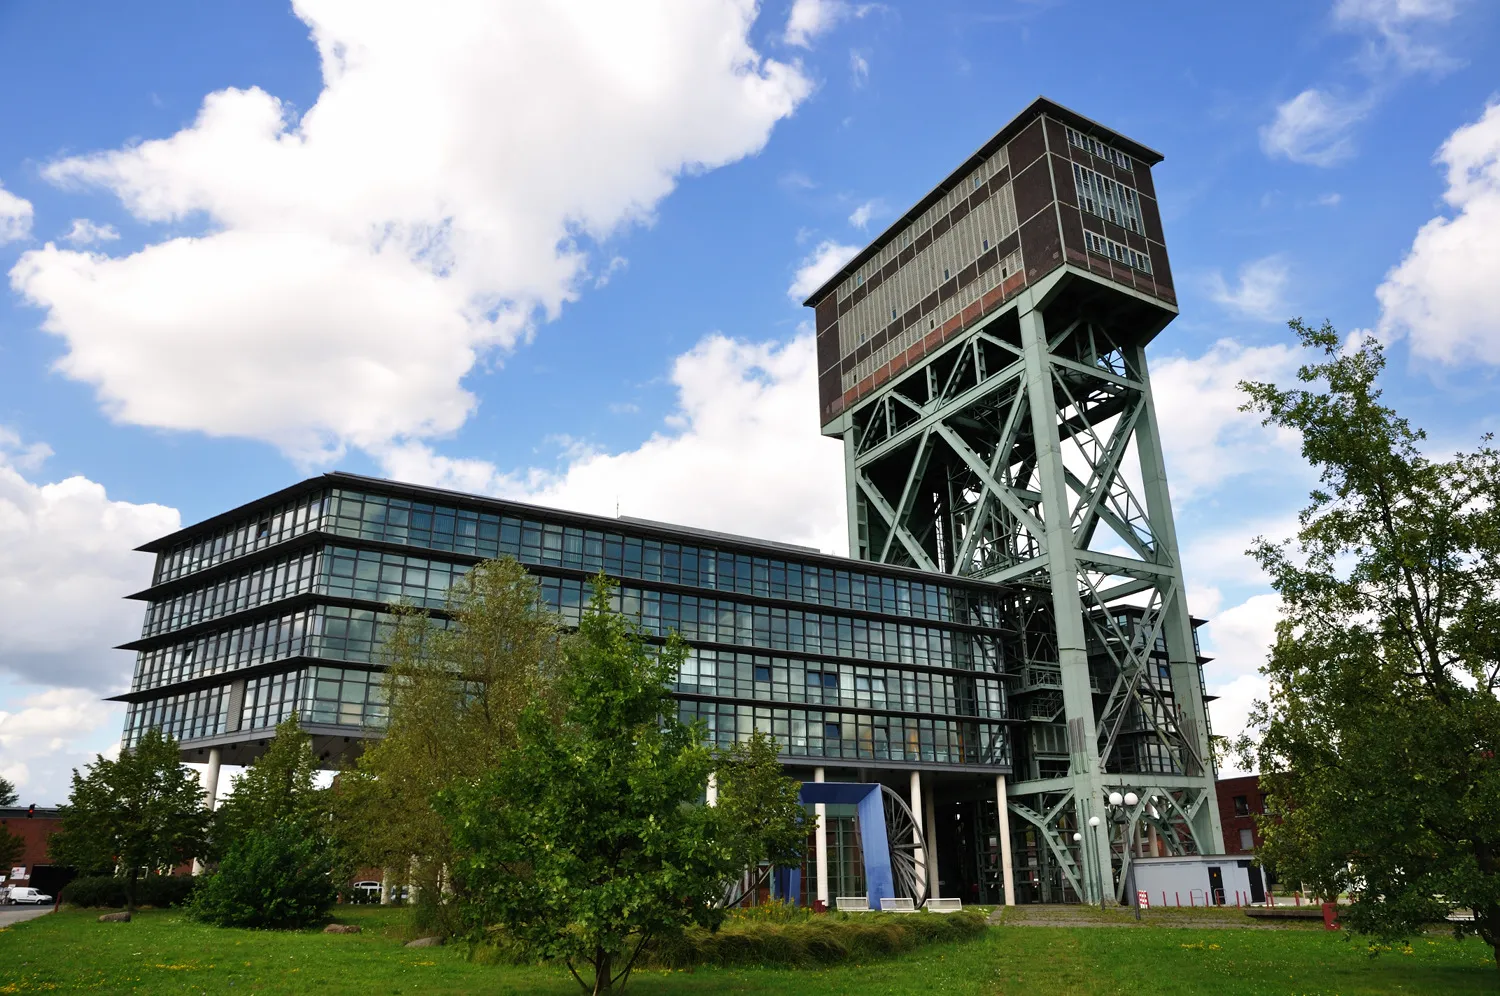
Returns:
(143, 811)
(583, 843)
(455, 693)
(1378, 742)
(278, 787)
(272, 876)
(12, 849)
(760, 817)
(8, 794)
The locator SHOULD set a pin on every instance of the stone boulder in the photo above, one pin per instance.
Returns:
(341, 928)
(121, 917)
(425, 942)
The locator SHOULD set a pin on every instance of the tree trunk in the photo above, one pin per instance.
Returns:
(603, 966)
(130, 880)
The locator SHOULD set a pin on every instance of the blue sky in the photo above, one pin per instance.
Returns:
(548, 251)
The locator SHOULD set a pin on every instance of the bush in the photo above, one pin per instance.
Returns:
(746, 940)
(270, 878)
(109, 890)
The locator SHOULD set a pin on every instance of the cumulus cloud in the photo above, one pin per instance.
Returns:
(1206, 438)
(49, 733)
(1259, 291)
(741, 452)
(1443, 292)
(1314, 128)
(811, 18)
(66, 561)
(818, 266)
(356, 260)
(15, 216)
(859, 68)
(85, 232)
(864, 214)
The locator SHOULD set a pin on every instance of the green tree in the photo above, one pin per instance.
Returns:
(272, 876)
(278, 787)
(7, 792)
(759, 816)
(12, 849)
(1378, 740)
(584, 842)
(142, 812)
(455, 693)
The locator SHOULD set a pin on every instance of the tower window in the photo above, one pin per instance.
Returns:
(986, 245)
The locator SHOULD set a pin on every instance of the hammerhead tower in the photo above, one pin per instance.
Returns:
(983, 361)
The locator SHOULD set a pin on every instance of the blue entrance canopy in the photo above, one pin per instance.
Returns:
(874, 840)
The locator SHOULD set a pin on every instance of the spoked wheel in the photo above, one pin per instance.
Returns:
(748, 884)
(905, 839)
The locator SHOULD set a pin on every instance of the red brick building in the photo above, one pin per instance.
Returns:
(1240, 801)
(34, 825)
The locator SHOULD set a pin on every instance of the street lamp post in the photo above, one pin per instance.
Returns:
(1125, 805)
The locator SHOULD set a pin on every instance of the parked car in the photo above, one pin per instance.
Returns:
(23, 894)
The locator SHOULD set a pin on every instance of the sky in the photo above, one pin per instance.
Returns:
(557, 251)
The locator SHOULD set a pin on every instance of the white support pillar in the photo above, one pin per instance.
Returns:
(211, 777)
(916, 812)
(820, 811)
(713, 788)
(211, 789)
(1006, 873)
(932, 865)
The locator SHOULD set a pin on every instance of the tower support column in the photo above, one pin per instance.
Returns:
(820, 850)
(1003, 811)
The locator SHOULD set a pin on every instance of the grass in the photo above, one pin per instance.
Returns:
(161, 952)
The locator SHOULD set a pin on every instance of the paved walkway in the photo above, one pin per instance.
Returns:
(1119, 916)
(15, 914)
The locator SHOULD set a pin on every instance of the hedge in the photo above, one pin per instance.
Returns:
(109, 890)
(819, 940)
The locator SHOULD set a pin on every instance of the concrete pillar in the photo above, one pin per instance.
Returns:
(211, 788)
(820, 811)
(211, 777)
(932, 845)
(713, 788)
(916, 813)
(1006, 872)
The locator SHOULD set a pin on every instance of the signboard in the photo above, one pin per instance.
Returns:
(18, 872)
(1142, 899)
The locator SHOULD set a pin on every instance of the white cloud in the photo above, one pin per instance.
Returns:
(741, 453)
(1329, 200)
(1313, 128)
(15, 216)
(859, 68)
(66, 561)
(1402, 30)
(1443, 292)
(1206, 438)
(49, 733)
(440, 194)
(1259, 292)
(1239, 639)
(818, 266)
(84, 232)
(865, 213)
(811, 18)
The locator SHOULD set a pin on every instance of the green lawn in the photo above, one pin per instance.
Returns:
(160, 952)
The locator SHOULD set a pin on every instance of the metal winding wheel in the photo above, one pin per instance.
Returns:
(904, 838)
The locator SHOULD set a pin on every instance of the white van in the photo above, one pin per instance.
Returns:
(23, 894)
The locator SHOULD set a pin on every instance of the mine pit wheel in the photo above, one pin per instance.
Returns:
(904, 838)
(746, 885)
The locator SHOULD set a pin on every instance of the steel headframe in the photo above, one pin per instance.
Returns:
(1000, 457)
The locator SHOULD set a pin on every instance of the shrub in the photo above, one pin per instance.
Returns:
(745, 940)
(774, 911)
(270, 878)
(109, 890)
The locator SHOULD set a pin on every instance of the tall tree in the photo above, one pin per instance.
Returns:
(7, 792)
(278, 787)
(760, 816)
(1378, 740)
(584, 842)
(142, 812)
(455, 691)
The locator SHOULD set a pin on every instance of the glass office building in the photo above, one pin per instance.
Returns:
(277, 607)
